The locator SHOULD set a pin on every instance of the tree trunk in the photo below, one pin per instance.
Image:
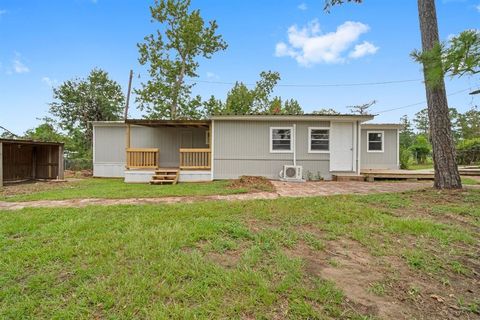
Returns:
(446, 170)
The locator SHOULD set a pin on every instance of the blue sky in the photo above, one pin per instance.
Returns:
(43, 43)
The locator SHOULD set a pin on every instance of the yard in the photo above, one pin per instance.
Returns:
(398, 255)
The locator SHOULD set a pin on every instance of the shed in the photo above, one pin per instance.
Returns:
(23, 160)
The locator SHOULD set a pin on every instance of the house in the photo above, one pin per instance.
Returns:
(229, 146)
(22, 160)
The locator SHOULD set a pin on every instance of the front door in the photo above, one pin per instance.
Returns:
(187, 139)
(341, 150)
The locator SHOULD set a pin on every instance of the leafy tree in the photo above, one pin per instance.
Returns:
(421, 148)
(327, 111)
(446, 170)
(362, 109)
(240, 100)
(292, 106)
(44, 132)
(7, 134)
(172, 54)
(462, 55)
(421, 121)
(406, 134)
(80, 101)
(469, 124)
(212, 107)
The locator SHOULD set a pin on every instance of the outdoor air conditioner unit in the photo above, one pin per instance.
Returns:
(292, 173)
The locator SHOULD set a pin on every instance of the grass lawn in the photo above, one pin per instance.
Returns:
(410, 255)
(114, 189)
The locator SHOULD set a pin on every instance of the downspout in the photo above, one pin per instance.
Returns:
(294, 138)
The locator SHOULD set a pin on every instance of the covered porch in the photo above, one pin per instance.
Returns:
(167, 148)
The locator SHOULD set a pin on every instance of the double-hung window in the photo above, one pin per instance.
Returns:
(318, 140)
(281, 139)
(375, 141)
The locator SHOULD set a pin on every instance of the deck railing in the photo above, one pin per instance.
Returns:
(192, 159)
(142, 158)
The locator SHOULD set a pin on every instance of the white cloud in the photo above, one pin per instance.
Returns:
(362, 50)
(302, 6)
(309, 45)
(478, 7)
(212, 76)
(49, 82)
(18, 66)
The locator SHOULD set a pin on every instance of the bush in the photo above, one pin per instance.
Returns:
(78, 164)
(404, 158)
(468, 151)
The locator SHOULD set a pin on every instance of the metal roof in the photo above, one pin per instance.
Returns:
(33, 142)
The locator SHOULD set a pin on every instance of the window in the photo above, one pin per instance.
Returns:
(318, 140)
(375, 141)
(281, 140)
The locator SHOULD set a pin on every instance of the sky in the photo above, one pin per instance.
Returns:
(43, 43)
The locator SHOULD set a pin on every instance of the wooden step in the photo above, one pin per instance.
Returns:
(167, 171)
(164, 177)
(163, 182)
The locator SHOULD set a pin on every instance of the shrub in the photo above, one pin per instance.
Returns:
(468, 151)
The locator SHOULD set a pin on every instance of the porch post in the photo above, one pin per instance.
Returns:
(127, 142)
(127, 145)
(61, 167)
(1, 164)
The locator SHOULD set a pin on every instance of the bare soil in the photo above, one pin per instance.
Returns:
(253, 183)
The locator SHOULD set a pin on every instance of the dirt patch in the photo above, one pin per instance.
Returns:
(78, 174)
(31, 187)
(384, 286)
(253, 183)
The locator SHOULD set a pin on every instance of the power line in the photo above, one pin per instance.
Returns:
(422, 102)
(297, 85)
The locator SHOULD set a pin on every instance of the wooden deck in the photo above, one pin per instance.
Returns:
(372, 174)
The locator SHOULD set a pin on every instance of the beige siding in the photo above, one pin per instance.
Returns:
(243, 148)
(380, 160)
(110, 144)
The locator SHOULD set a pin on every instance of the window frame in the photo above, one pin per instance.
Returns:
(310, 139)
(291, 139)
(383, 141)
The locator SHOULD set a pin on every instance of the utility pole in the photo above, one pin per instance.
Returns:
(128, 94)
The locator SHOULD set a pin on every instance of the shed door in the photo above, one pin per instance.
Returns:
(341, 150)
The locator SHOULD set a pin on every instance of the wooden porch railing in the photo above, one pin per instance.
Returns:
(192, 159)
(142, 158)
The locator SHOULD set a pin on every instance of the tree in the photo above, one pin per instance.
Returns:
(172, 54)
(292, 106)
(406, 134)
(44, 132)
(420, 148)
(446, 170)
(421, 121)
(469, 124)
(326, 111)
(80, 101)
(362, 109)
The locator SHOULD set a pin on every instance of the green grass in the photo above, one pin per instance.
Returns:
(228, 260)
(469, 181)
(117, 189)
(416, 166)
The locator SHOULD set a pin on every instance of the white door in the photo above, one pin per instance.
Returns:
(341, 146)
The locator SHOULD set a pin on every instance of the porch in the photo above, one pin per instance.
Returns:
(168, 151)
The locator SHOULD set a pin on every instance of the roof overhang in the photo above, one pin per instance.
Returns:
(169, 123)
(377, 126)
(31, 142)
(305, 117)
(153, 123)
